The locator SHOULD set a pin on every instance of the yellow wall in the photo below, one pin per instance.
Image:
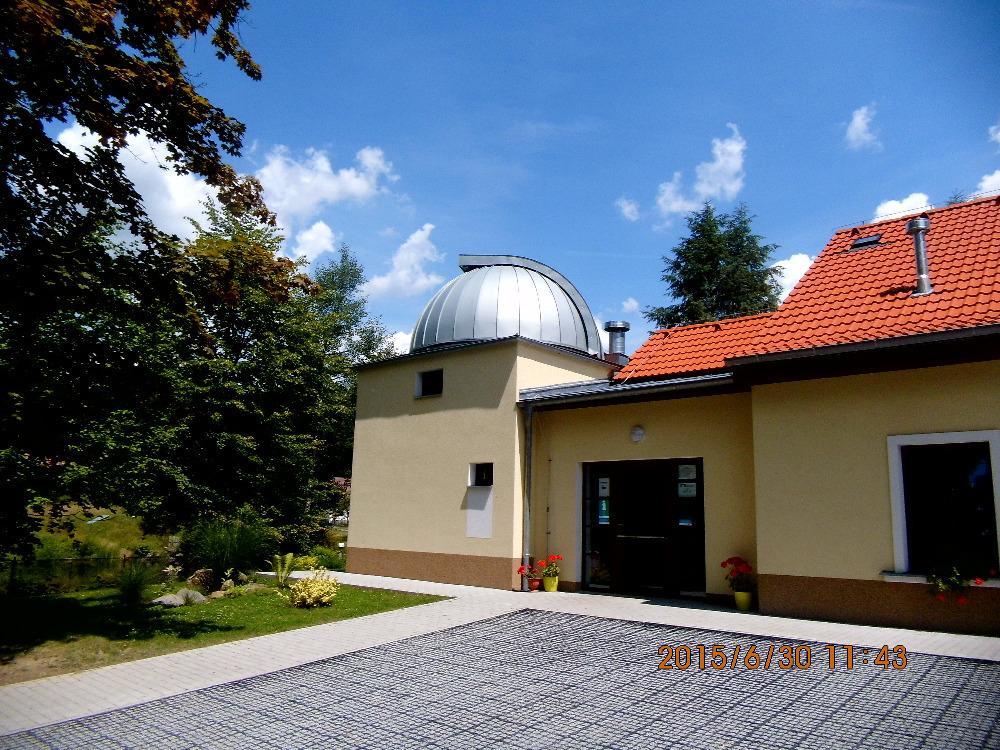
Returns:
(412, 455)
(822, 466)
(715, 428)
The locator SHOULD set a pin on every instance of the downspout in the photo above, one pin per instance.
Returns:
(526, 511)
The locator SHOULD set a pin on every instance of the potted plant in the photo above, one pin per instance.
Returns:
(549, 569)
(533, 575)
(739, 573)
(954, 582)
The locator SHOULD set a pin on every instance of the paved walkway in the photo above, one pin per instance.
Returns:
(54, 699)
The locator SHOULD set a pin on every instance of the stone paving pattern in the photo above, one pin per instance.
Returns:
(538, 679)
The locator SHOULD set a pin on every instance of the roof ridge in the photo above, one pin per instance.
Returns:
(928, 209)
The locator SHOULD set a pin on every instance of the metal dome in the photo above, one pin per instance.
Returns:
(503, 295)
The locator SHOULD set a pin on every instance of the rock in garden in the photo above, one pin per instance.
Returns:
(190, 596)
(201, 578)
(253, 588)
(169, 600)
(217, 595)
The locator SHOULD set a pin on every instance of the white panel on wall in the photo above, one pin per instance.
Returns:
(479, 512)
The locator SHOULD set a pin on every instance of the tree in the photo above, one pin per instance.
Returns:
(95, 336)
(115, 68)
(359, 339)
(719, 270)
(185, 386)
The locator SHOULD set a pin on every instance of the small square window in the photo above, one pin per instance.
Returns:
(430, 383)
(482, 475)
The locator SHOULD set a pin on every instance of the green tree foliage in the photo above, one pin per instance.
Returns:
(114, 67)
(719, 270)
(94, 337)
(187, 389)
(358, 339)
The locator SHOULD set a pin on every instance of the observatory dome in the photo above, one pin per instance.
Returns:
(502, 295)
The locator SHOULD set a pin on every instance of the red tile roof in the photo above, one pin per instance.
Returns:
(852, 296)
(695, 348)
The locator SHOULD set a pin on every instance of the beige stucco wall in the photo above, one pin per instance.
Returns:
(822, 467)
(715, 428)
(412, 455)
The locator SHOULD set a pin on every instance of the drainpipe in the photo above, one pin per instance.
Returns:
(526, 512)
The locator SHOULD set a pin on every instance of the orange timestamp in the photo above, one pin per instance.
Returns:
(780, 656)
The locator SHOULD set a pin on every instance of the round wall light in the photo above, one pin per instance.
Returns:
(638, 433)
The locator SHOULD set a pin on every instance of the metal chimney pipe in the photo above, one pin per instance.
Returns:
(917, 228)
(616, 340)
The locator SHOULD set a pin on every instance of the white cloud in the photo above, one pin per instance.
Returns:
(408, 276)
(994, 132)
(989, 183)
(628, 207)
(401, 342)
(296, 189)
(388, 232)
(169, 198)
(792, 269)
(910, 204)
(630, 305)
(312, 242)
(722, 177)
(859, 135)
(670, 198)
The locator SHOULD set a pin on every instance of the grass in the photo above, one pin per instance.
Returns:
(108, 538)
(47, 635)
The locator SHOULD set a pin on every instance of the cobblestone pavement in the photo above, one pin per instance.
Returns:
(543, 679)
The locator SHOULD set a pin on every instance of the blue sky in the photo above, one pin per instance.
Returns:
(578, 134)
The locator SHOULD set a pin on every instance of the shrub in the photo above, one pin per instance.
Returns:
(318, 590)
(329, 558)
(219, 544)
(132, 582)
(306, 562)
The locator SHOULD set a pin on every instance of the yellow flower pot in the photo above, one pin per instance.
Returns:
(551, 583)
(743, 600)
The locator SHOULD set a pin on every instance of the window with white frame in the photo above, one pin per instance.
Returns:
(945, 492)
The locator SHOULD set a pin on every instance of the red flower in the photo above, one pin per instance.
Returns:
(522, 571)
(979, 581)
(941, 597)
(962, 600)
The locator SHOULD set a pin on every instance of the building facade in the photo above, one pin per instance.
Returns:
(848, 444)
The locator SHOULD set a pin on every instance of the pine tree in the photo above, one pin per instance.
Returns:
(720, 270)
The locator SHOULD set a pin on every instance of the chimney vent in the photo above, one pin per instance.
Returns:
(616, 341)
(917, 228)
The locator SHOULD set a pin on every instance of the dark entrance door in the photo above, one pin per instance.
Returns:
(644, 526)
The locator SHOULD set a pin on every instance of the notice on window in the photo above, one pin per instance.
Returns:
(603, 512)
(687, 471)
(604, 487)
(687, 489)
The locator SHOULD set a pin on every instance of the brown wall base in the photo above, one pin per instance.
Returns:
(901, 605)
(469, 570)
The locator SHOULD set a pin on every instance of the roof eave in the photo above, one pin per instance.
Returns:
(589, 392)
(829, 350)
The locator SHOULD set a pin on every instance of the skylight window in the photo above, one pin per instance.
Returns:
(862, 242)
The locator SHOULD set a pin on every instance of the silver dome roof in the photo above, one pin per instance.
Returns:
(503, 295)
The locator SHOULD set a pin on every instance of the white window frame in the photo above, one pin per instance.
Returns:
(900, 546)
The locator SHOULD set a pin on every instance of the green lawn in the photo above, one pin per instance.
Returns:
(48, 635)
